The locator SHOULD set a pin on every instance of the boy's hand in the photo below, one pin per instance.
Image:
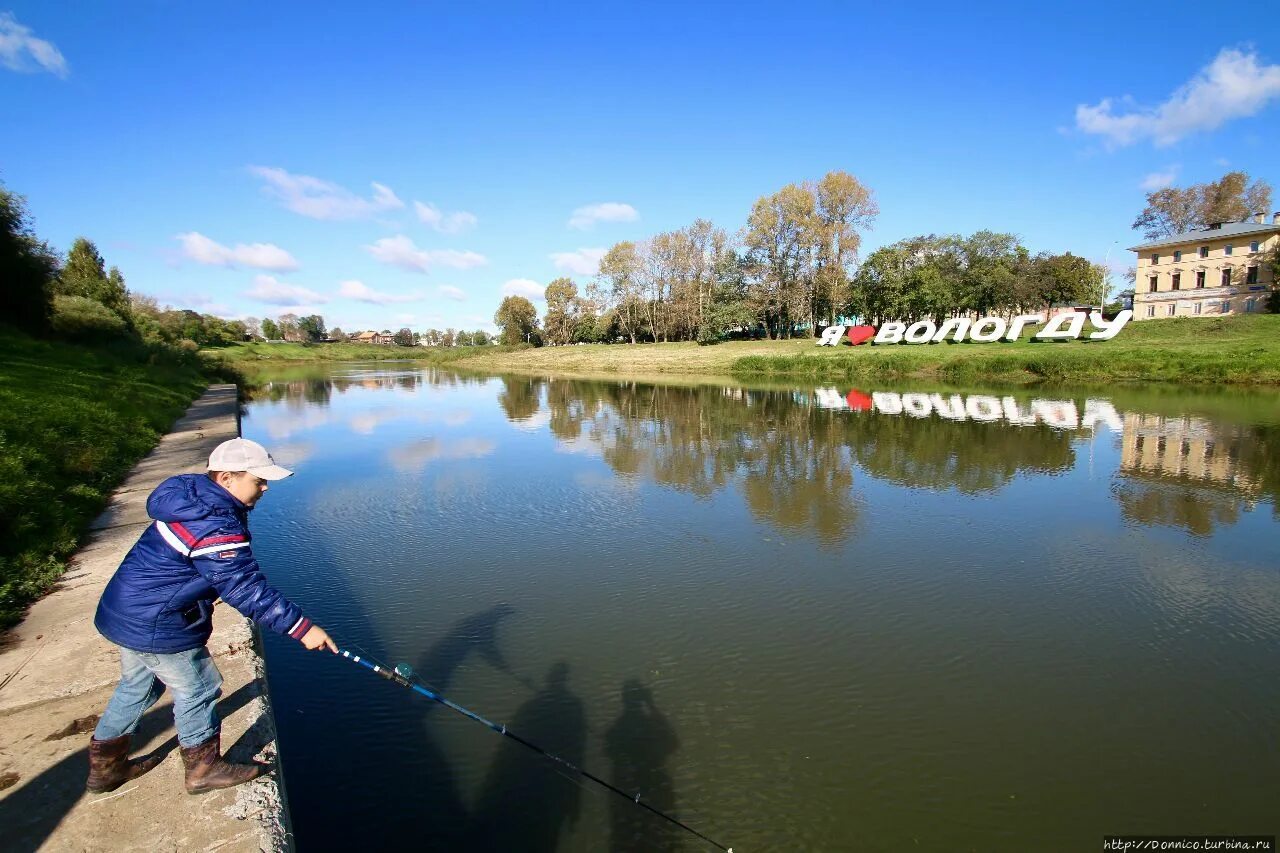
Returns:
(316, 638)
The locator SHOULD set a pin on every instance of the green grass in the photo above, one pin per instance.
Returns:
(73, 421)
(1242, 350)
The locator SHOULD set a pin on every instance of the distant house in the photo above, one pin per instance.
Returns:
(372, 338)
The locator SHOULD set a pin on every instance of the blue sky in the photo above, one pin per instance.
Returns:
(258, 158)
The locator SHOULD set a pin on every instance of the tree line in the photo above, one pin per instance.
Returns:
(790, 270)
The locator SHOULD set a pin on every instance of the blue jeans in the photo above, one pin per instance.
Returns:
(192, 676)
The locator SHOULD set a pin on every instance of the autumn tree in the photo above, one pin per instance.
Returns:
(290, 328)
(403, 337)
(619, 281)
(518, 320)
(560, 319)
(1174, 210)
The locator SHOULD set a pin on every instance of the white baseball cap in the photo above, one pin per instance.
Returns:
(241, 454)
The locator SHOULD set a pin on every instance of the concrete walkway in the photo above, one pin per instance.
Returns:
(57, 672)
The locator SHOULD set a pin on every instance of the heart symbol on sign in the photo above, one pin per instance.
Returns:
(860, 334)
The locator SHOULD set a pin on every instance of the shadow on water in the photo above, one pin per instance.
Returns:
(527, 800)
(638, 745)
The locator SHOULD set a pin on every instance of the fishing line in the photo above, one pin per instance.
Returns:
(404, 675)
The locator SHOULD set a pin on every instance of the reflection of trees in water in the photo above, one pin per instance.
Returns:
(519, 397)
(970, 456)
(1196, 510)
(794, 463)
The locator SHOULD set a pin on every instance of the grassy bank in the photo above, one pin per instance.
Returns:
(1241, 350)
(73, 421)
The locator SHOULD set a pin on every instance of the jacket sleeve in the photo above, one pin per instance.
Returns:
(231, 569)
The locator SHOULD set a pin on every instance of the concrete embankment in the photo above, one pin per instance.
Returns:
(57, 672)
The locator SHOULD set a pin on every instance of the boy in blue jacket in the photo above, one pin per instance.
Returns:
(158, 609)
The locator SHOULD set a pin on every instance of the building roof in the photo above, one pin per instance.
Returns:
(1199, 235)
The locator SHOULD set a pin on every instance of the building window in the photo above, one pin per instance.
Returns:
(1250, 305)
(1204, 251)
(1172, 308)
(1226, 277)
(1152, 282)
(1199, 305)
(1199, 278)
(1155, 257)
(1253, 247)
(1177, 281)
(1226, 306)
(1151, 310)
(1177, 256)
(1251, 277)
(1227, 250)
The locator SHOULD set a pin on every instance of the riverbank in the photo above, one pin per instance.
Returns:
(73, 420)
(1243, 350)
(57, 672)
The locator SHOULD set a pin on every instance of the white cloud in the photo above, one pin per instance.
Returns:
(361, 292)
(399, 251)
(22, 51)
(273, 292)
(321, 199)
(451, 292)
(418, 454)
(1233, 86)
(581, 262)
(1160, 180)
(610, 211)
(445, 223)
(263, 256)
(405, 318)
(526, 287)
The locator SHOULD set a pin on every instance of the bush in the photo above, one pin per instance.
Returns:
(707, 336)
(85, 319)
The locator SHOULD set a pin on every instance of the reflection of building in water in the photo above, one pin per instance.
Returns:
(1192, 448)
(1184, 472)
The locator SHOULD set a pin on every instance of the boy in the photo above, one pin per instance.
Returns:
(158, 609)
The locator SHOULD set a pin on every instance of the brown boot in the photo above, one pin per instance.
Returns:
(110, 767)
(207, 770)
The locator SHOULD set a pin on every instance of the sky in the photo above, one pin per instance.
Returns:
(407, 164)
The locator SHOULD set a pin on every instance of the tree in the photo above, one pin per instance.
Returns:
(1175, 210)
(480, 338)
(518, 320)
(270, 330)
(432, 337)
(404, 337)
(462, 338)
(289, 327)
(312, 328)
(561, 296)
(252, 327)
(619, 278)
(84, 275)
(28, 268)
(1069, 279)
(449, 338)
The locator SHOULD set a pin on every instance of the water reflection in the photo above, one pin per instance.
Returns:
(797, 457)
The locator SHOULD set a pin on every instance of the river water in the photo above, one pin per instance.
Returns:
(795, 618)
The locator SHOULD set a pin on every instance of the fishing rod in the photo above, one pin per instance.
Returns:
(403, 675)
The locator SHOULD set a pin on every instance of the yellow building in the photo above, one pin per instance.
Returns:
(1222, 269)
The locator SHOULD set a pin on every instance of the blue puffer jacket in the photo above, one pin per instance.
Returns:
(161, 598)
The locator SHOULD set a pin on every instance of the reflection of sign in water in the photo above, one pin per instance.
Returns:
(1060, 414)
(1062, 327)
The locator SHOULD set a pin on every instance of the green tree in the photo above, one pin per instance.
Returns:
(561, 317)
(462, 338)
(619, 279)
(1069, 279)
(270, 330)
(28, 268)
(480, 338)
(518, 320)
(312, 327)
(84, 275)
(404, 337)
